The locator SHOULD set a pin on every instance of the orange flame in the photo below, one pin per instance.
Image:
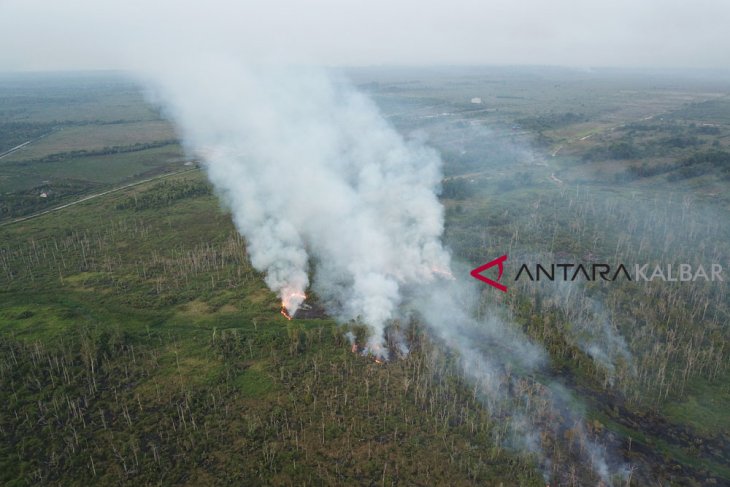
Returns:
(371, 353)
(375, 352)
(286, 301)
(288, 297)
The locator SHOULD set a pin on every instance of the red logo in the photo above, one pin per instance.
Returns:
(477, 273)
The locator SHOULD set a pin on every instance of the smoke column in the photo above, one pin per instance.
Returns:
(318, 183)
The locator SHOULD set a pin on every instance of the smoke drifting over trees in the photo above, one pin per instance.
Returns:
(317, 182)
(330, 197)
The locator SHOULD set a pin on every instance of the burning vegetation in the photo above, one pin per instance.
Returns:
(307, 308)
(290, 303)
(393, 349)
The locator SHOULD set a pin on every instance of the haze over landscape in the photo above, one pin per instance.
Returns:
(236, 242)
(84, 34)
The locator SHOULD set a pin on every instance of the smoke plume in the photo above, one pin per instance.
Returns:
(321, 186)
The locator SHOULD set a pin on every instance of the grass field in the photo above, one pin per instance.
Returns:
(95, 137)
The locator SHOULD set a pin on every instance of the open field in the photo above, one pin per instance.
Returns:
(96, 137)
(50, 98)
(67, 136)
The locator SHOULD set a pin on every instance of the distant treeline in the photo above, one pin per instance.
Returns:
(671, 127)
(713, 110)
(462, 188)
(551, 121)
(117, 149)
(165, 193)
(12, 134)
(628, 150)
(695, 165)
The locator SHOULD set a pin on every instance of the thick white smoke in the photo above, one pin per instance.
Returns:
(317, 181)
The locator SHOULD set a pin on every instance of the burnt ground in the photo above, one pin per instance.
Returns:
(661, 451)
(309, 310)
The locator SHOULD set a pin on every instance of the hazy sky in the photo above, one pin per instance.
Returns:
(54, 34)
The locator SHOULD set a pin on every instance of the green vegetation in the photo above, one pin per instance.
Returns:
(83, 135)
(16, 133)
(549, 121)
(164, 194)
(139, 346)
